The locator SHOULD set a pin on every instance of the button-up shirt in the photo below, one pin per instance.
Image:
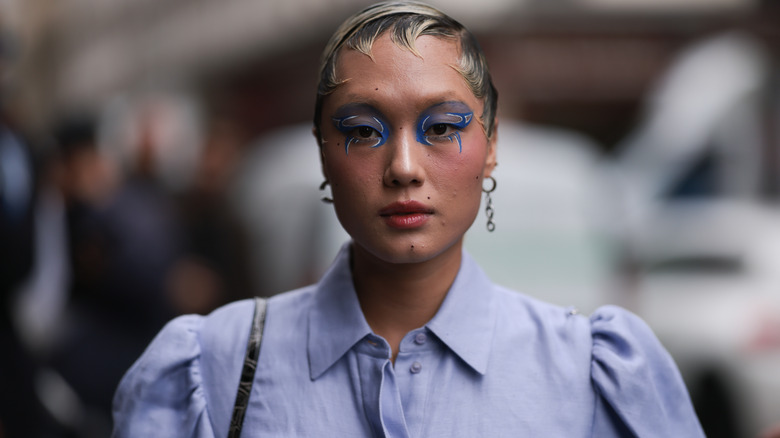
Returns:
(491, 363)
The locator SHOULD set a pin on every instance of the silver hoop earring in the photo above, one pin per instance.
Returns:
(325, 199)
(489, 207)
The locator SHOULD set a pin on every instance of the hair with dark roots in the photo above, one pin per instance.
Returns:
(406, 21)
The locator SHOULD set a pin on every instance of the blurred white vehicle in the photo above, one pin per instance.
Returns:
(706, 249)
(709, 286)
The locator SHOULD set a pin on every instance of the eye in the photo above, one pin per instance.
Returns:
(365, 132)
(439, 129)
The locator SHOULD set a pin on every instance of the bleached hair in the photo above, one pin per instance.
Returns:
(406, 21)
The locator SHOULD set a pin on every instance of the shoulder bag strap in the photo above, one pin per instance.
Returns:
(248, 371)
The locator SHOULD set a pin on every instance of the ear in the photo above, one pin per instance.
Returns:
(318, 137)
(490, 158)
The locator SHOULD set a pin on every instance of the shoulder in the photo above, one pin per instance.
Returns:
(558, 337)
(188, 375)
(624, 346)
(222, 335)
(614, 327)
(551, 322)
(638, 385)
(161, 392)
(289, 304)
(610, 332)
(178, 376)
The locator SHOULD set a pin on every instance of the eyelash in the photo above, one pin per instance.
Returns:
(456, 127)
(451, 133)
(444, 136)
(351, 131)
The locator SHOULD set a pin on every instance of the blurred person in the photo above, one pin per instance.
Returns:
(405, 335)
(17, 193)
(21, 413)
(213, 268)
(122, 241)
(158, 139)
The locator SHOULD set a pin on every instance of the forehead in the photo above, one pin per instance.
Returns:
(397, 71)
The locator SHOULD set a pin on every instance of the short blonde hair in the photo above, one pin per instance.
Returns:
(406, 21)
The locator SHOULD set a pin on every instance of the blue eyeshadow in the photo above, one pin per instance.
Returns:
(365, 118)
(455, 114)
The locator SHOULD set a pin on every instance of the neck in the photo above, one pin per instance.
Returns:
(398, 298)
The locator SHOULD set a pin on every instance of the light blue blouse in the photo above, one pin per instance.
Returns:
(491, 363)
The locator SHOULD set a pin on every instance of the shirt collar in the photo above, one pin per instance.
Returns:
(336, 321)
(465, 321)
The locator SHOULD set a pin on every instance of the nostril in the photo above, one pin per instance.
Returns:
(398, 182)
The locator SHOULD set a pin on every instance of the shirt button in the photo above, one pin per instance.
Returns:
(416, 367)
(420, 338)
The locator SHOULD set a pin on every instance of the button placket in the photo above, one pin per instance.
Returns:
(414, 375)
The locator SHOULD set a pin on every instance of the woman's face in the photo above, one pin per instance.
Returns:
(404, 150)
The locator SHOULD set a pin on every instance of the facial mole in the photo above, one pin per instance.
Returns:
(376, 89)
(429, 197)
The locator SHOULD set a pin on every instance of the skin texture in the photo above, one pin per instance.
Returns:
(402, 274)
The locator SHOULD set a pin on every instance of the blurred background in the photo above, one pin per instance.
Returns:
(156, 159)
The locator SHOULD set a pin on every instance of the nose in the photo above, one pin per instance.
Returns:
(404, 167)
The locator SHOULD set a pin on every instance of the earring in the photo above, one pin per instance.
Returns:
(325, 199)
(489, 207)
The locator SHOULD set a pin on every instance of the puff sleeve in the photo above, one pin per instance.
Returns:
(162, 393)
(640, 392)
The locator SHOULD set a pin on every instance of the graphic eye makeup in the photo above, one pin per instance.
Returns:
(361, 129)
(444, 122)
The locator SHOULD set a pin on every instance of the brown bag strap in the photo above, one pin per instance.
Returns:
(248, 371)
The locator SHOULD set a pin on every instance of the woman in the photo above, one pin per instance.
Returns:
(404, 335)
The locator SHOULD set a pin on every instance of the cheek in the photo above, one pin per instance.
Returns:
(349, 176)
(464, 170)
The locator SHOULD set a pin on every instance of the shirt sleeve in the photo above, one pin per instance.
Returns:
(640, 392)
(162, 394)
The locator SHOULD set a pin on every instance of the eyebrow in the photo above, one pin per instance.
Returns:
(449, 106)
(366, 108)
(357, 107)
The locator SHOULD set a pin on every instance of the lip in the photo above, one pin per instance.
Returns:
(406, 214)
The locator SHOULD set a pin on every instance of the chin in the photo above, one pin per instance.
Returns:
(408, 250)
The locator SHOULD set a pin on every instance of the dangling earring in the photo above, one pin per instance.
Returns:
(325, 199)
(489, 207)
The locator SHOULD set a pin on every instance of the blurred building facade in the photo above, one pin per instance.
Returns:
(553, 61)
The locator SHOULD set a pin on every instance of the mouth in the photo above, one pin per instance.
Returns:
(405, 208)
(406, 214)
